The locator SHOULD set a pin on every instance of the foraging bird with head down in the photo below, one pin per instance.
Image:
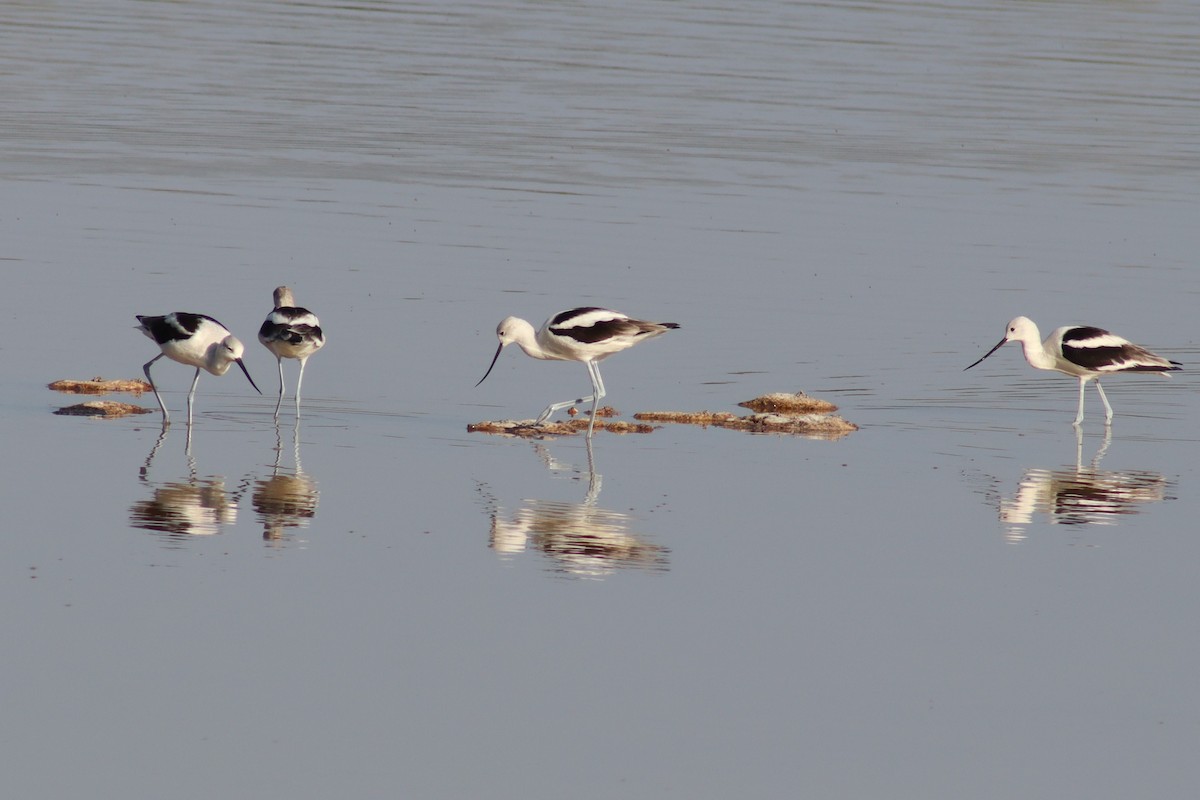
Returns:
(1083, 352)
(588, 335)
(196, 340)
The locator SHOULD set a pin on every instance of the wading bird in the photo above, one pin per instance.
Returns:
(196, 340)
(1082, 352)
(290, 332)
(587, 335)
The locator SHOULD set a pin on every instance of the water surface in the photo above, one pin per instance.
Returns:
(961, 599)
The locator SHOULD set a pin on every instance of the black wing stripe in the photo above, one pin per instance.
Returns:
(563, 316)
(1083, 333)
(599, 332)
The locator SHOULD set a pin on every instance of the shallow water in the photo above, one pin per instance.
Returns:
(960, 599)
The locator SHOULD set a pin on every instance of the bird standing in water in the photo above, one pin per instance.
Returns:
(1083, 352)
(196, 340)
(587, 335)
(290, 332)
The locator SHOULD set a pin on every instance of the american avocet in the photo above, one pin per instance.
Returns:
(1082, 352)
(196, 340)
(291, 332)
(587, 335)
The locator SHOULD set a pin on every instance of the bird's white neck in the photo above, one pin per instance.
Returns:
(524, 336)
(1037, 355)
(534, 350)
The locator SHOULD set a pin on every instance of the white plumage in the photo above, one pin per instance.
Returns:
(1083, 352)
(196, 340)
(290, 332)
(587, 335)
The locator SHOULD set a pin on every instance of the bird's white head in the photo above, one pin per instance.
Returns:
(514, 329)
(226, 352)
(1020, 329)
(510, 330)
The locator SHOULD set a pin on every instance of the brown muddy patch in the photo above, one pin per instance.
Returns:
(789, 403)
(100, 386)
(526, 428)
(778, 412)
(102, 408)
(817, 426)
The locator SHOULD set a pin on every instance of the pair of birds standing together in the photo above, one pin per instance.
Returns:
(200, 341)
(591, 334)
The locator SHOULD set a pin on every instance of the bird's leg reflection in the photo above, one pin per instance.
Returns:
(279, 447)
(580, 539)
(1099, 453)
(144, 472)
(183, 508)
(548, 458)
(296, 446)
(595, 479)
(285, 499)
(279, 443)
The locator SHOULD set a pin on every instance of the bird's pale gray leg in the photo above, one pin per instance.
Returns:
(161, 404)
(280, 401)
(1079, 416)
(299, 381)
(192, 395)
(1108, 414)
(594, 398)
(597, 393)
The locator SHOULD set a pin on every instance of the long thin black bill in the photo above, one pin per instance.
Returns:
(494, 358)
(1003, 342)
(252, 383)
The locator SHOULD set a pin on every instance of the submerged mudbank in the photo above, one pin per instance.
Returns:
(778, 412)
(817, 426)
(527, 429)
(101, 408)
(789, 403)
(100, 386)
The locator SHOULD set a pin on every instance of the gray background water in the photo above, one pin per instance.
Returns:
(850, 199)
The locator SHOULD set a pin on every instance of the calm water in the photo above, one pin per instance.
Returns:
(962, 599)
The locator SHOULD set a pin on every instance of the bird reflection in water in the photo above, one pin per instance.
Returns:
(184, 508)
(581, 540)
(1085, 495)
(287, 499)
